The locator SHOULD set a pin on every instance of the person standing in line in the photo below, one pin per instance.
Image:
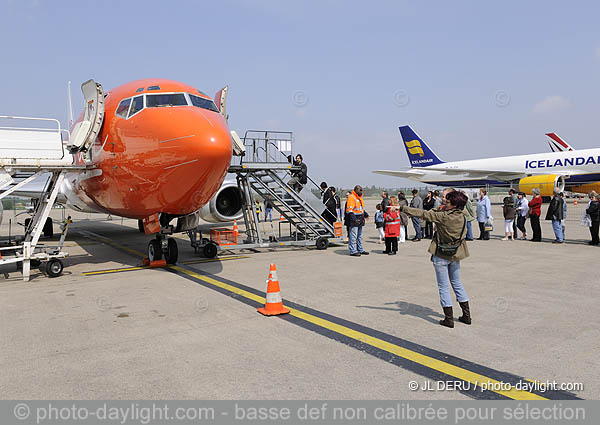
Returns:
(555, 214)
(508, 210)
(535, 210)
(338, 204)
(385, 202)
(379, 224)
(484, 212)
(428, 204)
(268, 208)
(513, 194)
(402, 202)
(447, 249)
(330, 213)
(562, 222)
(393, 224)
(438, 199)
(347, 219)
(357, 215)
(522, 214)
(468, 210)
(593, 210)
(416, 202)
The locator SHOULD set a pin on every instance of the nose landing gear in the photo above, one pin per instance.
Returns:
(161, 247)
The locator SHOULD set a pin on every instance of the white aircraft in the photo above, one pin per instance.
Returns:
(577, 171)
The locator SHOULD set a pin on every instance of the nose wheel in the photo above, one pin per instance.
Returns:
(163, 247)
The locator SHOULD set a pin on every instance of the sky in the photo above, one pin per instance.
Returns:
(474, 79)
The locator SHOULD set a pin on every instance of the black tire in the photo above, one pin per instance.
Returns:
(210, 250)
(154, 250)
(54, 268)
(322, 242)
(48, 228)
(172, 251)
(141, 226)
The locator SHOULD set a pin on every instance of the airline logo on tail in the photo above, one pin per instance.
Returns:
(414, 147)
(419, 154)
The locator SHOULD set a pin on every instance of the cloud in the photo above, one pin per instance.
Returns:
(551, 104)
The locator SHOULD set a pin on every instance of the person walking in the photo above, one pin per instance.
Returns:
(508, 210)
(379, 224)
(258, 208)
(355, 208)
(268, 208)
(338, 204)
(522, 214)
(593, 210)
(535, 210)
(447, 249)
(299, 177)
(402, 202)
(484, 212)
(470, 217)
(428, 204)
(330, 211)
(393, 224)
(416, 202)
(555, 214)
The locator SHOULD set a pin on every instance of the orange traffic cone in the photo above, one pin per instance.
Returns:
(236, 233)
(273, 304)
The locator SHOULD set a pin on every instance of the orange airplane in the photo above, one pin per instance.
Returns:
(161, 152)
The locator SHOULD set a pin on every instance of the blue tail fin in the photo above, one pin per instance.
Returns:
(418, 152)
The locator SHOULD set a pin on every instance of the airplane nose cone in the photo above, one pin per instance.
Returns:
(200, 159)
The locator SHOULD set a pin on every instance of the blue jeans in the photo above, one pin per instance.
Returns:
(269, 214)
(469, 231)
(558, 231)
(355, 242)
(448, 273)
(417, 225)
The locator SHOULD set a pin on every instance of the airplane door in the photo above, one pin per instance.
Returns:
(84, 133)
(220, 100)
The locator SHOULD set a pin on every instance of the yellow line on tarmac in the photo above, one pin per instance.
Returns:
(128, 269)
(430, 362)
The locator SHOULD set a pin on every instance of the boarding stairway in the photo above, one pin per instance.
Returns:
(32, 148)
(263, 173)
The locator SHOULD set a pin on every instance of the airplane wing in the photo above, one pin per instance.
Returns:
(401, 173)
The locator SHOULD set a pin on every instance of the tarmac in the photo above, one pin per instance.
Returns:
(360, 328)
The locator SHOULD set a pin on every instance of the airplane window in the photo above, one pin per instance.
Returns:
(137, 105)
(154, 88)
(123, 108)
(165, 99)
(139, 90)
(203, 103)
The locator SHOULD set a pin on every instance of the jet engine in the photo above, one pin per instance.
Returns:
(545, 183)
(225, 205)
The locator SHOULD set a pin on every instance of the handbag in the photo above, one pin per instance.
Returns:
(489, 225)
(450, 249)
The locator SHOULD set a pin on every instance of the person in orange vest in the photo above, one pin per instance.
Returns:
(355, 210)
(393, 221)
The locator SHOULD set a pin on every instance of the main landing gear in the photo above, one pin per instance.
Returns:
(163, 247)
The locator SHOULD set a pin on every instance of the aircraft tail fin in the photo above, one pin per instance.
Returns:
(419, 154)
(557, 144)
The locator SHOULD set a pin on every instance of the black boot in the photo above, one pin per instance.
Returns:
(466, 313)
(449, 319)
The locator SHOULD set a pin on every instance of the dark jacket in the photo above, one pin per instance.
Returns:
(385, 202)
(448, 229)
(302, 173)
(555, 209)
(428, 203)
(402, 202)
(594, 211)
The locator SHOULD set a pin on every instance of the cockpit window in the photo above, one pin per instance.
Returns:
(154, 88)
(166, 99)
(123, 108)
(203, 103)
(137, 105)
